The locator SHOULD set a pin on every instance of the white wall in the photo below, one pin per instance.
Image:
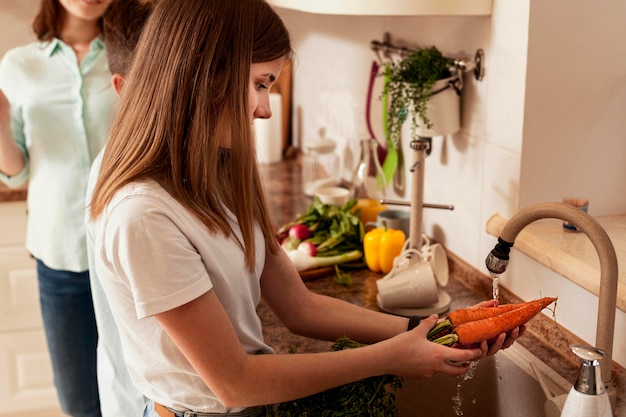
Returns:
(574, 138)
(546, 122)
(575, 124)
(15, 19)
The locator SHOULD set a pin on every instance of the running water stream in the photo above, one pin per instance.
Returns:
(496, 287)
(458, 398)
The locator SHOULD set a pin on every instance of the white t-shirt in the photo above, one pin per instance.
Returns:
(152, 255)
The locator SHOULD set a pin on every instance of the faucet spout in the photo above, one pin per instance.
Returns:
(498, 259)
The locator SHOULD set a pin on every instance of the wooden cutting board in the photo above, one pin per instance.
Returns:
(317, 273)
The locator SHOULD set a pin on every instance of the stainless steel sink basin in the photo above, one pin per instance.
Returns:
(501, 385)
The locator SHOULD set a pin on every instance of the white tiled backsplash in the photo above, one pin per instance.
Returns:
(547, 121)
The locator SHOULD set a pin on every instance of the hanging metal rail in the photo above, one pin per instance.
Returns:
(386, 49)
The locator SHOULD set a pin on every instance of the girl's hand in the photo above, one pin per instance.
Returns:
(417, 357)
(503, 340)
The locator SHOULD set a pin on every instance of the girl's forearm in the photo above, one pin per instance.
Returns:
(329, 318)
(270, 379)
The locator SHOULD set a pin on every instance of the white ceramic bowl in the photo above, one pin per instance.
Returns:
(333, 195)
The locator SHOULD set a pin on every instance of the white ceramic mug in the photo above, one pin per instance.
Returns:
(435, 254)
(410, 284)
(394, 219)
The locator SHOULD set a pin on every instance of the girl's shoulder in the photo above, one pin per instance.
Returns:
(146, 206)
(140, 195)
(146, 197)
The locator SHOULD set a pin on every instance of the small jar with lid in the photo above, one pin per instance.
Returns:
(320, 165)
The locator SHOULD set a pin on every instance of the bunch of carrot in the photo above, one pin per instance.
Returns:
(467, 326)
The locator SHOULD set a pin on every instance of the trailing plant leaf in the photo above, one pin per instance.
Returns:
(391, 161)
(371, 397)
(410, 81)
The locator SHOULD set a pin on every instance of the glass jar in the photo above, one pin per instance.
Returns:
(320, 165)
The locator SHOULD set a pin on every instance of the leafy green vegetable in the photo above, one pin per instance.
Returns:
(342, 278)
(371, 397)
(335, 230)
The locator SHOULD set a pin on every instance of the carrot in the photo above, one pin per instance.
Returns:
(485, 329)
(475, 324)
(463, 315)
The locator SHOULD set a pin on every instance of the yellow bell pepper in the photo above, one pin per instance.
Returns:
(381, 246)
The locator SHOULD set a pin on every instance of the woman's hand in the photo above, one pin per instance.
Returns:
(11, 158)
(5, 116)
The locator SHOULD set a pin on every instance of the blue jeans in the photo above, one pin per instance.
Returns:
(70, 327)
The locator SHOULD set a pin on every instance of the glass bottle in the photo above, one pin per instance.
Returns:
(368, 179)
(320, 165)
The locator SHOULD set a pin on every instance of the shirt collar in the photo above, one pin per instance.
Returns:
(97, 44)
(52, 46)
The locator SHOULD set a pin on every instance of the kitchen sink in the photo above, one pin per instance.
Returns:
(501, 385)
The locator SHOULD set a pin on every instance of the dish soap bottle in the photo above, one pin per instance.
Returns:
(588, 396)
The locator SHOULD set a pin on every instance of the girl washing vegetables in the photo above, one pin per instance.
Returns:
(185, 245)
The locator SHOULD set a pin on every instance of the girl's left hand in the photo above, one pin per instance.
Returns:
(503, 340)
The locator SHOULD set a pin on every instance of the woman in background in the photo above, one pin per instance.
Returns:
(184, 244)
(56, 107)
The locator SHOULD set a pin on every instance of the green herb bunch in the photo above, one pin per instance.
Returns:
(408, 85)
(371, 397)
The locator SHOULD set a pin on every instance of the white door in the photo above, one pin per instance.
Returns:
(26, 385)
(26, 377)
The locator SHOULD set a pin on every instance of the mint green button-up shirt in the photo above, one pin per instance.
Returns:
(61, 113)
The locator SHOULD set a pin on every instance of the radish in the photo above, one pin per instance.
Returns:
(299, 231)
(308, 248)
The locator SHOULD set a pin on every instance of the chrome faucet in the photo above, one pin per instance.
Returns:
(498, 259)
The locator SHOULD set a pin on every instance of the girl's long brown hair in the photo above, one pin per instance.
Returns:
(188, 89)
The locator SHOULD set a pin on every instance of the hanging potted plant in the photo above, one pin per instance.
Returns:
(426, 87)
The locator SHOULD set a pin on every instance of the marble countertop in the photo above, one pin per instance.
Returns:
(467, 286)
